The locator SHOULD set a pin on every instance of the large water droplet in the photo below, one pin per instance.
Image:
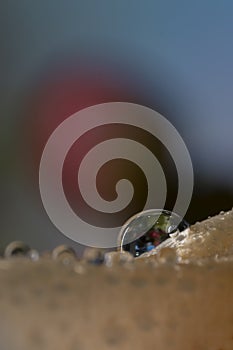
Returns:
(146, 230)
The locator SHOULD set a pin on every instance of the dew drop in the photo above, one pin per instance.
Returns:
(64, 254)
(33, 254)
(117, 258)
(16, 249)
(94, 256)
(146, 230)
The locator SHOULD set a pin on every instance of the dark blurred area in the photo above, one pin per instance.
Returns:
(58, 57)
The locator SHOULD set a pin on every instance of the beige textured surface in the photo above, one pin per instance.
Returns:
(160, 302)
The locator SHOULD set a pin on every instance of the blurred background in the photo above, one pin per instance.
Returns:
(58, 57)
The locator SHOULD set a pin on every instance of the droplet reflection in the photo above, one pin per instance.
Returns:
(146, 230)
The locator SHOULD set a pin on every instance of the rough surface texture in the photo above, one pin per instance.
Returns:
(179, 297)
(210, 238)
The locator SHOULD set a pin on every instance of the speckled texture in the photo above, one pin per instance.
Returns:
(210, 238)
(160, 302)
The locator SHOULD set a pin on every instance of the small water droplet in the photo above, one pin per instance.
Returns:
(94, 256)
(33, 254)
(146, 230)
(64, 254)
(117, 258)
(16, 249)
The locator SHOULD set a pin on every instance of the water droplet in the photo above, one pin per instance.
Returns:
(64, 254)
(94, 256)
(146, 230)
(16, 249)
(117, 258)
(33, 254)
